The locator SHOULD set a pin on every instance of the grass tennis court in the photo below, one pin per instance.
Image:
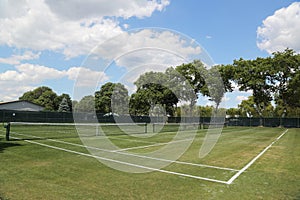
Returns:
(50, 162)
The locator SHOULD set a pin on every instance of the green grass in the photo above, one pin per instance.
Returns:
(30, 171)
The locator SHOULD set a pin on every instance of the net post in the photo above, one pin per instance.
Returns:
(145, 127)
(7, 126)
(97, 129)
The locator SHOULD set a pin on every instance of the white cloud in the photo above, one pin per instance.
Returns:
(148, 46)
(28, 76)
(13, 93)
(281, 30)
(85, 77)
(17, 59)
(139, 51)
(241, 98)
(71, 27)
(28, 73)
(78, 9)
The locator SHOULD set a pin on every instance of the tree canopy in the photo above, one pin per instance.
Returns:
(273, 82)
(46, 97)
(152, 91)
(86, 104)
(112, 97)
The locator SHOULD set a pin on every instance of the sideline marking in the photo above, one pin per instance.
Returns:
(125, 163)
(254, 159)
(134, 155)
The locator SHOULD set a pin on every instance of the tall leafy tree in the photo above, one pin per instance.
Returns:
(252, 75)
(248, 108)
(47, 99)
(86, 104)
(285, 67)
(43, 96)
(179, 85)
(194, 74)
(139, 103)
(112, 97)
(216, 85)
(154, 87)
(232, 112)
(293, 91)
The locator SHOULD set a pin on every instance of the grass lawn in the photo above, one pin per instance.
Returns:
(32, 171)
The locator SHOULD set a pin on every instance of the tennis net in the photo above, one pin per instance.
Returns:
(28, 130)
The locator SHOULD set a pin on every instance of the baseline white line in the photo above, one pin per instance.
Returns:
(125, 163)
(254, 159)
(134, 155)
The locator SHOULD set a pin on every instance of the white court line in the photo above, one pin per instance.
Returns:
(132, 140)
(125, 163)
(151, 145)
(254, 159)
(134, 155)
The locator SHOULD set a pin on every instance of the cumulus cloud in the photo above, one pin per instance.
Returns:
(17, 59)
(149, 38)
(139, 51)
(27, 76)
(70, 27)
(281, 30)
(78, 9)
(85, 77)
(148, 46)
(28, 73)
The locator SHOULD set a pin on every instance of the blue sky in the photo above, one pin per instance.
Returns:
(50, 43)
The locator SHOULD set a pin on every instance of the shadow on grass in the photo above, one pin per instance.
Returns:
(6, 144)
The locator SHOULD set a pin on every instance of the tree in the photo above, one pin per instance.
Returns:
(253, 75)
(47, 99)
(86, 104)
(293, 91)
(64, 106)
(139, 104)
(215, 84)
(43, 96)
(232, 112)
(285, 77)
(194, 74)
(153, 90)
(35, 94)
(248, 108)
(112, 97)
(205, 111)
(58, 100)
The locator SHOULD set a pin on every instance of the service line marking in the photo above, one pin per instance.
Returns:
(152, 145)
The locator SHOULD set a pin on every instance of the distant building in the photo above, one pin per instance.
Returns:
(20, 105)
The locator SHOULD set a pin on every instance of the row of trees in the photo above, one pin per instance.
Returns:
(272, 79)
(160, 92)
(274, 82)
(47, 98)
